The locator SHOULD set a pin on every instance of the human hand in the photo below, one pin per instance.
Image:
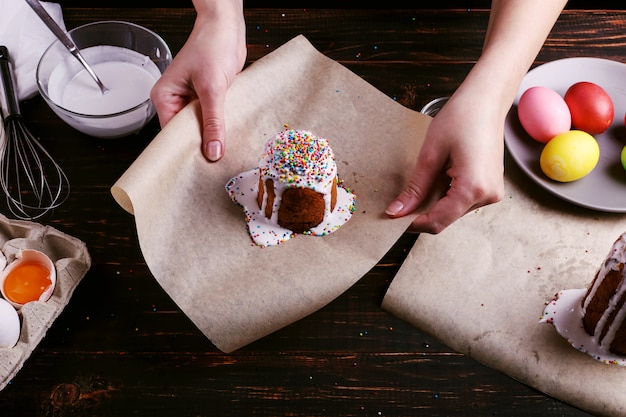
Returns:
(464, 144)
(205, 67)
(460, 166)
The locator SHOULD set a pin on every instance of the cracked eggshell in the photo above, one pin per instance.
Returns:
(25, 258)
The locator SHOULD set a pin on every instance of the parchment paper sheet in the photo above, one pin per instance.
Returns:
(194, 238)
(482, 285)
(71, 260)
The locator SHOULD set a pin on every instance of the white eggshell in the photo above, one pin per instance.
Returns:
(543, 113)
(9, 325)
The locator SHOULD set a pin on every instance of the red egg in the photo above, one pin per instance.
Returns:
(591, 107)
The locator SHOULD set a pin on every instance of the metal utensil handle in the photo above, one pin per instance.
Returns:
(10, 104)
(64, 39)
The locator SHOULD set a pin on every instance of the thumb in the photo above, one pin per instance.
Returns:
(425, 178)
(407, 201)
(213, 126)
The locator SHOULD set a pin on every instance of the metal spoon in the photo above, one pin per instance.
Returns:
(65, 40)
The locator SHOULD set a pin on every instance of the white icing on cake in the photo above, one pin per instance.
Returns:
(614, 262)
(566, 314)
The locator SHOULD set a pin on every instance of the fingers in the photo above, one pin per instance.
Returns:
(167, 99)
(461, 198)
(171, 94)
(424, 179)
(443, 200)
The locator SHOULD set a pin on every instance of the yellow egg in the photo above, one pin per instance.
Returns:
(570, 156)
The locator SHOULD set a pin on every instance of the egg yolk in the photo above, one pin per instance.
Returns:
(27, 282)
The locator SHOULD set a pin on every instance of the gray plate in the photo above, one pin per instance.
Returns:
(604, 188)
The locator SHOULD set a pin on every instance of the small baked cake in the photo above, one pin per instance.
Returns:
(603, 304)
(592, 319)
(294, 189)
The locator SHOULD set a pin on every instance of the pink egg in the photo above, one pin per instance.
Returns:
(543, 113)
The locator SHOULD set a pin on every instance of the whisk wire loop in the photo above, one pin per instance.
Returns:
(31, 179)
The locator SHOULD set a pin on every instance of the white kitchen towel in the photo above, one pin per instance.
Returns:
(26, 37)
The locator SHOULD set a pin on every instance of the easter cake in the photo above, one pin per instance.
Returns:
(603, 303)
(295, 189)
(594, 319)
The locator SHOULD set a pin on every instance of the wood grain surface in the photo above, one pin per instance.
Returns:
(123, 348)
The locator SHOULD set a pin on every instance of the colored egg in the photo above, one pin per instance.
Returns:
(543, 113)
(569, 156)
(9, 325)
(590, 106)
(623, 157)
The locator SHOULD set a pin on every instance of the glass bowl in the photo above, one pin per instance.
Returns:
(128, 58)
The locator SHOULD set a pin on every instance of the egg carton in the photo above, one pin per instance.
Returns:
(71, 260)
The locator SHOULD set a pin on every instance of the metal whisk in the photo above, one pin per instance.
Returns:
(32, 181)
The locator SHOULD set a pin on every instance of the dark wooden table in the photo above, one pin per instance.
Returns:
(122, 347)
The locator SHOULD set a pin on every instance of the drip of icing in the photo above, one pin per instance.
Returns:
(612, 263)
(294, 158)
(565, 312)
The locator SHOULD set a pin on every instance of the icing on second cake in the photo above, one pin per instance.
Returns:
(594, 319)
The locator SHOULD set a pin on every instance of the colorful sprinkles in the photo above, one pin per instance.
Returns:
(298, 157)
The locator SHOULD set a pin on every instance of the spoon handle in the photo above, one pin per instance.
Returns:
(64, 39)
